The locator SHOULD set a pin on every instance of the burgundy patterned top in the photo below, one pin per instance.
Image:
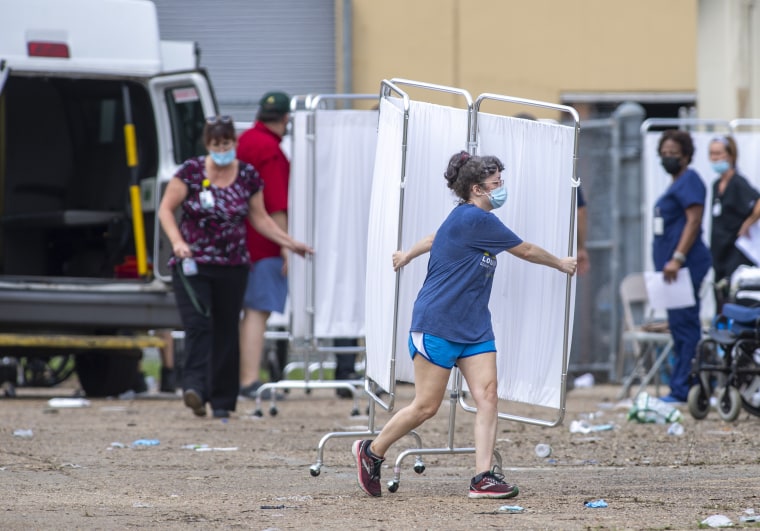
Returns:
(216, 235)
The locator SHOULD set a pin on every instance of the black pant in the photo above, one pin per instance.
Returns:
(212, 344)
(344, 363)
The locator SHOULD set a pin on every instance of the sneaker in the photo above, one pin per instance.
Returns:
(670, 399)
(221, 414)
(342, 392)
(194, 401)
(492, 485)
(368, 467)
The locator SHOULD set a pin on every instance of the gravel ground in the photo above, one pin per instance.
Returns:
(255, 472)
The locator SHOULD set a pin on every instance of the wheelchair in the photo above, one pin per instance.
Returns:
(727, 365)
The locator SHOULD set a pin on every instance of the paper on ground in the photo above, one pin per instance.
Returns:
(669, 296)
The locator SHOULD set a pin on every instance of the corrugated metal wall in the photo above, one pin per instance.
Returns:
(252, 46)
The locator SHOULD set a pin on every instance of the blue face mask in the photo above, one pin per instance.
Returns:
(224, 158)
(498, 197)
(721, 166)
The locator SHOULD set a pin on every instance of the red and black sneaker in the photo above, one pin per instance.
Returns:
(492, 485)
(368, 467)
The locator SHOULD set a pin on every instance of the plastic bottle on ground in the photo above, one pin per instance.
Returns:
(543, 450)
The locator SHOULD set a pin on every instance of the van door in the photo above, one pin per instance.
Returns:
(4, 71)
(182, 102)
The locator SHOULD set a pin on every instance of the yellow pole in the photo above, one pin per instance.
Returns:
(138, 225)
(138, 228)
(130, 141)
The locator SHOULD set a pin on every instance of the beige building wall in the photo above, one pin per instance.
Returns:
(537, 49)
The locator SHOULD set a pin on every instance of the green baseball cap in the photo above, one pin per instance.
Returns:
(278, 102)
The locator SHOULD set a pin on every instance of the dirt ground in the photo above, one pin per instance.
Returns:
(255, 471)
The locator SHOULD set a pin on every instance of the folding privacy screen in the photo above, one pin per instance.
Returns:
(532, 306)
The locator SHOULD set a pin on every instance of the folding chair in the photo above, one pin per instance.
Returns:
(650, 339)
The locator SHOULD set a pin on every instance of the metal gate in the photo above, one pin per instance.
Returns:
(609, 168)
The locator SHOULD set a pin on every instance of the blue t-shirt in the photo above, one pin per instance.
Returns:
(453, 301)
(686, 191)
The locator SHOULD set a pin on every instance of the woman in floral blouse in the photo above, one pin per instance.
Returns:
(210, 262)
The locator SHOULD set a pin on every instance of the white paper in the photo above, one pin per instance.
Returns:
(750, 245)
(68, 402)
(669, 296)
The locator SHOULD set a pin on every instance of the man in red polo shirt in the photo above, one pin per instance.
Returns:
(267, 281)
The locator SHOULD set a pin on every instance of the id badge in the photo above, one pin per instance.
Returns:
(658, 226)
(207, 199)
(189, 267)
(717, 209)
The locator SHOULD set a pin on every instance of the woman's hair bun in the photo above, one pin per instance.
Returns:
(455, 164)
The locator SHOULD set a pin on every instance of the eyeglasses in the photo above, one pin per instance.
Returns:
(497, 184)
(224, 119)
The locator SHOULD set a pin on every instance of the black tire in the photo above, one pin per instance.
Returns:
(746, 381)
(698, 401)
(108, 373)
(46, 371)
(729, 403)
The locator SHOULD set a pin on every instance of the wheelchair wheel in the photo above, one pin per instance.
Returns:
(747, 381)
(729, 403)
(698, 402)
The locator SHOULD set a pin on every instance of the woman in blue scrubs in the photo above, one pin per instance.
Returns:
(678, 244)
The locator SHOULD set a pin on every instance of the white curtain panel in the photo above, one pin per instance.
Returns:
(435, 133)
(748, 162)
(330, 189)
(345, 144)
(298, 208)
(538, 209)
(528, 301)
(382, 236)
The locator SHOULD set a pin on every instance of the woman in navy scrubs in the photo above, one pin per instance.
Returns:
(678, 244)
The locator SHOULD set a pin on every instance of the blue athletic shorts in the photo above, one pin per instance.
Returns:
(267, 288)
(445, 353)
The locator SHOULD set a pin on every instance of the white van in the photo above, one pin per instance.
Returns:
(96, 113)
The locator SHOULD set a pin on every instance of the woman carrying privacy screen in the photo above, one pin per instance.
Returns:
(451, 323)
(210, 262)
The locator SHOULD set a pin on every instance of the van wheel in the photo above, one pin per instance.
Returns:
(108, 373)
(40, 371)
